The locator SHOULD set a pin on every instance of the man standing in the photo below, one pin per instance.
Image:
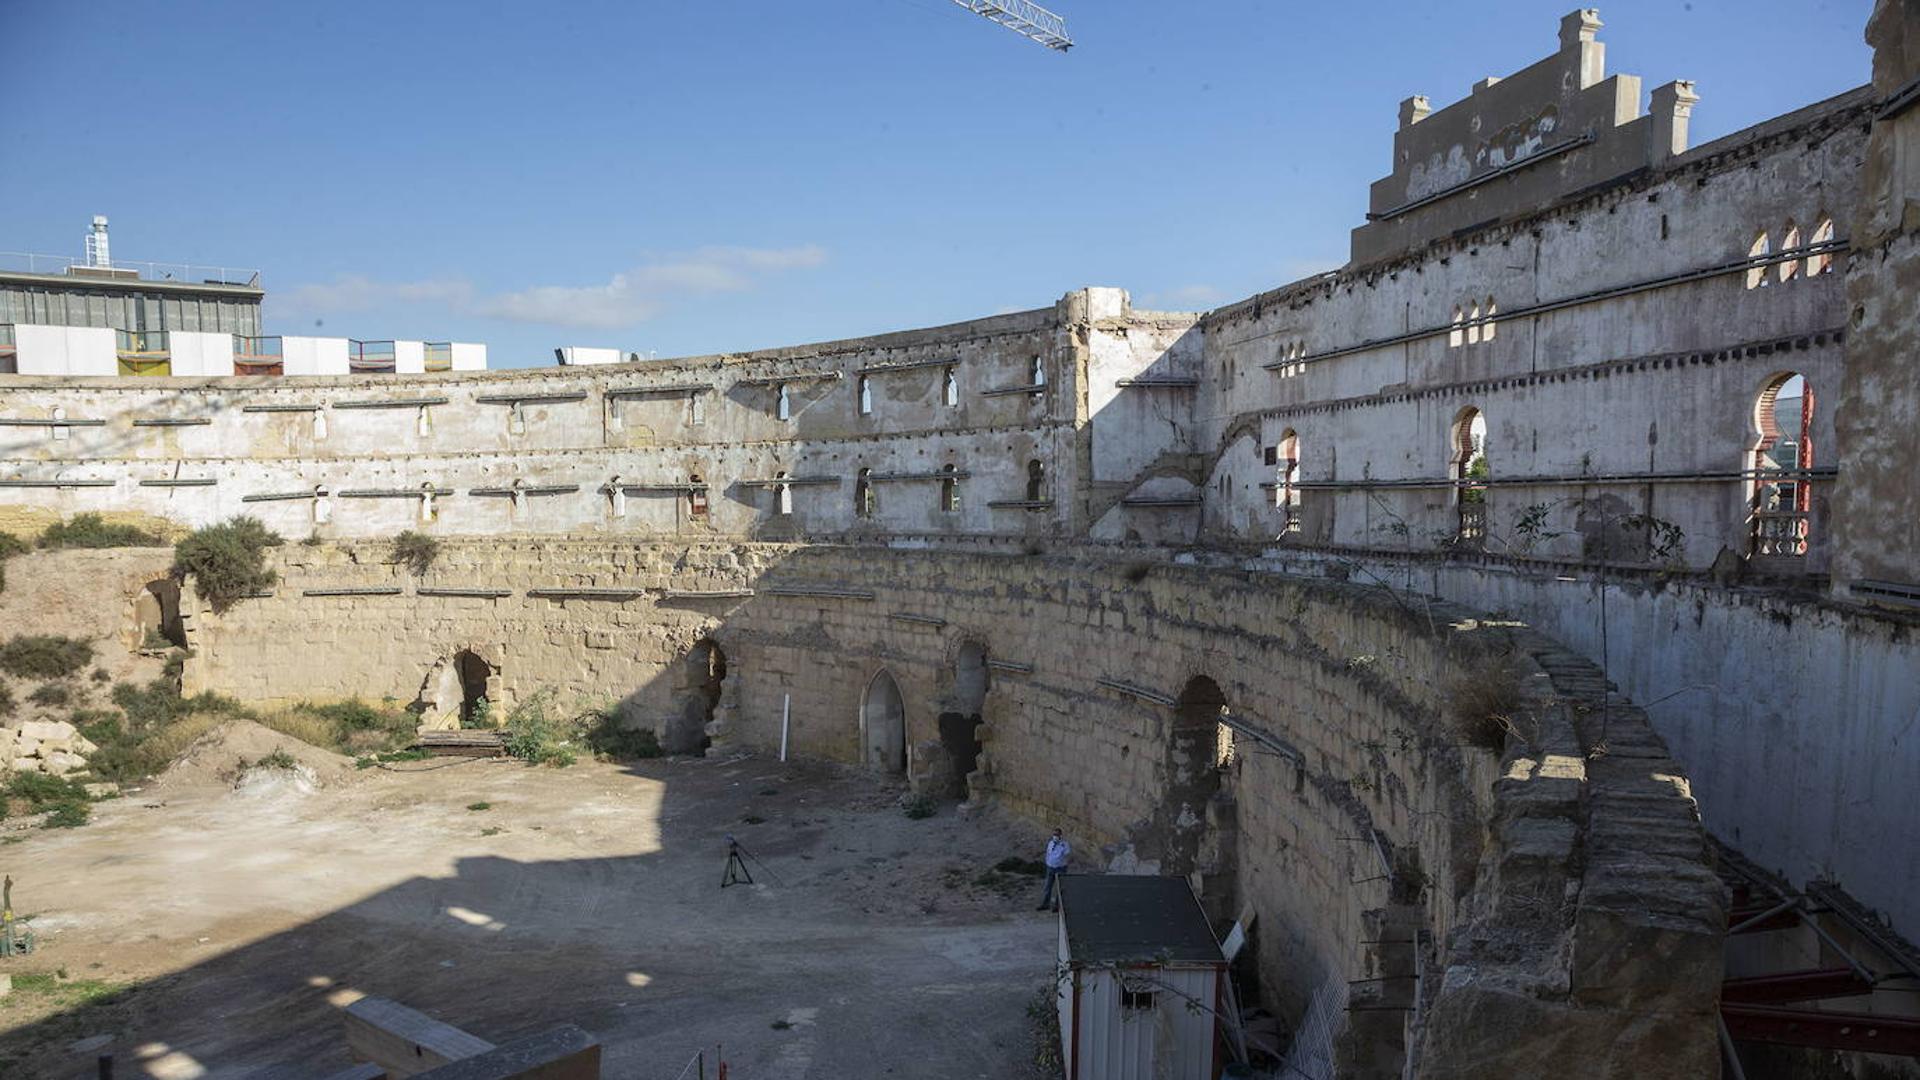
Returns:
(1058, 851)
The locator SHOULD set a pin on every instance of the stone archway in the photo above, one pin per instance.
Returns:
(1194, 757)
(156, 616)
(883, 724)
(702, 679)
(959, 722)
(472, 674)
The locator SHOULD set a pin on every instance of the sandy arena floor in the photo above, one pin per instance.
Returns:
(241, 922)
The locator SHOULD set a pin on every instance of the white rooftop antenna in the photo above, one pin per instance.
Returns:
(1024, 18)
(97, 243)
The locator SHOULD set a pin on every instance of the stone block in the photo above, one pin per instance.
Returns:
(60, 762)
(51, 731)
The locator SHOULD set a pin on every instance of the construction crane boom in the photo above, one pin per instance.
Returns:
(1026, 19)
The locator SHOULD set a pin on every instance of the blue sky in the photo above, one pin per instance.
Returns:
(718, 175)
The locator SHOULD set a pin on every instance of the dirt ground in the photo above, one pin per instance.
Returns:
(213, 930)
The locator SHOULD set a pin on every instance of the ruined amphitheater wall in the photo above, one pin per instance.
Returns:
(1343, 807)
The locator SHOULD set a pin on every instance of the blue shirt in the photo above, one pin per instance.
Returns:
(1057, 852)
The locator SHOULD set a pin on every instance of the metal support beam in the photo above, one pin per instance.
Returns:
(1856, 1032)
(1789, 986)
(1029, 20)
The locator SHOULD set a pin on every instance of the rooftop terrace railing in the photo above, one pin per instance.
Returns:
(143, 352)
(25, 262)
(370, 357)
(258, 356)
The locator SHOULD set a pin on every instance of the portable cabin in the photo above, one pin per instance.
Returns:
(1141, 980)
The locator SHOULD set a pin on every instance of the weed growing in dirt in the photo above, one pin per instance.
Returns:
(10, 545)
(154, 725)
(415, 551)
(279, 759)
(1043, 1018)
(6, 700)
(52, 695)
(492, 830)
(606, 736)
(226, 561)
(34, 793)
(917, 807)
(44, 656)
(352, 727)
(92, 531)
(100, 675)
(62, 991)
(534, 737)
(476, 806)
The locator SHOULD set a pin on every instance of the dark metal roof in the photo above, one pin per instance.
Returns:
(1135, 919)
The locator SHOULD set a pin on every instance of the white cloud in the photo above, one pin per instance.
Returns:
(627, 298)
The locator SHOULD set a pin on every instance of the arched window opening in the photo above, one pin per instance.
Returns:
(426, 502)
(1790, 268)
(1757, 274)
(1036, 372)
(696, 495)
(782, 495)
(322, 505)
(1457, 336)
(1486, 332)
(1473, 324)
(617, 497)
(1036, 480)
(696, 408)
(1821, 263)
(866, 396)
(949, 489)
(863, 501)
(783, 403)
(1781, 495)
(1469, 468)
(1286, 493)
(423, 423)
(883, 724)
(950, 386)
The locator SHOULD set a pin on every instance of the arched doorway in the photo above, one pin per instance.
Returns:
(1197, 746)
(157, 615)
(473, 674)
(883, 724)
(701, 682)
(960, 720)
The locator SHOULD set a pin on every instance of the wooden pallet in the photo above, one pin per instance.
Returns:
(462, 743)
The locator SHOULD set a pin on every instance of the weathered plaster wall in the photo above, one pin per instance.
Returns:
(1878, 547)
(1533, 878)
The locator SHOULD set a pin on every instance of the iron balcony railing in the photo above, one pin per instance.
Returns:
(143, 352)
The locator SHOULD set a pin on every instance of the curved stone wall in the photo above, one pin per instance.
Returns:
(1433, 892)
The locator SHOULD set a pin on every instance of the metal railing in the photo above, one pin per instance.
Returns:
(1473, 521)
(1779, 533)
(258, 355)
(370, 356)
(26, 262)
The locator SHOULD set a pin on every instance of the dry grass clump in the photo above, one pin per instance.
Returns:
(1483, 699)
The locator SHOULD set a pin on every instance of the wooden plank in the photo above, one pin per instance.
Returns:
(562, 1053)
(404, 1041)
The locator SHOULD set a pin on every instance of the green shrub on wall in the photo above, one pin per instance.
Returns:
(415, 551)
(92, 531)
(227, 561)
